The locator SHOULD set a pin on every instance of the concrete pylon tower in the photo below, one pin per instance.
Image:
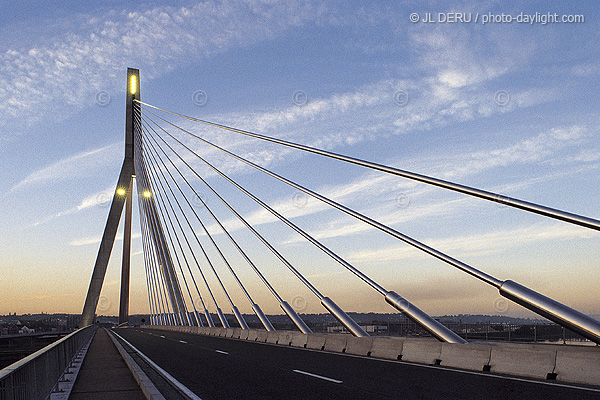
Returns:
(123, 195)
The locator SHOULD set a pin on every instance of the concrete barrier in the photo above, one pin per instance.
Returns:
(299, 339)
(315, 341)
(386, 347)
(236, 333)
(205, 330)
(423, 351)
(522, 361)
(244, 334)
(578, 367)
(360, 346)
(229, 332)
(285, 338)
(214, 331)
(336, 342)
(466, 356)
(252, 335)
(262, 336)
(272, 337)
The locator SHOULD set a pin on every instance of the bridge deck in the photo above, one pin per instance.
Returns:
(104, 374)
(216, 367)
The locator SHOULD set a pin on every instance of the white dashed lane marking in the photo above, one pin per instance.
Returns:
(318, 376)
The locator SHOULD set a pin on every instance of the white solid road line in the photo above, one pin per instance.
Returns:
(191, 395)
(221, 351)
(318, 376)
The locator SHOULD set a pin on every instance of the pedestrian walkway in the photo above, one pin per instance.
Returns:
(104, 374)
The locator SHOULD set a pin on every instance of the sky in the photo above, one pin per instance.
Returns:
(509, 107)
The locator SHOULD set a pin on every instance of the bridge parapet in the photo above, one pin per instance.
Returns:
(299, 339)
(471, 356)
(565, 363)
(35, 376)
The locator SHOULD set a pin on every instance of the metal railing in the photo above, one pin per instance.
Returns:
(36, 375)
(471, 331)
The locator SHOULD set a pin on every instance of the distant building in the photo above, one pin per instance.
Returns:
(25, 330)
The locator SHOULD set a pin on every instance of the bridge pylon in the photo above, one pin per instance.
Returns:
(123, 197)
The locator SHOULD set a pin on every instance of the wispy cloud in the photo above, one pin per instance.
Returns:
(477, 245)
(385, 193)
(366, 114)
(97, 239)
(102, 198)
(67, 71)
(72, 167)
(543, 146)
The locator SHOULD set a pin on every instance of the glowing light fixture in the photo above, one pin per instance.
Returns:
(121, 191)
(132, 84)
(147, 193)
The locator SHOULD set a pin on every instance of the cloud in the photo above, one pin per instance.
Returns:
(458, 56)
(349, 118)
(78, 165)
(385, 188)
(102, 198)
(476, 245)
(97, 239)
(545, 145)
(366, 96)
(450, 83)
(393, 210)
(586, 70)
(66, 71)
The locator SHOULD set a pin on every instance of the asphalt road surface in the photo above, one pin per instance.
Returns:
(220, 368)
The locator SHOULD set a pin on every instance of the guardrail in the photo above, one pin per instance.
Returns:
(487, 331)
(36, 375)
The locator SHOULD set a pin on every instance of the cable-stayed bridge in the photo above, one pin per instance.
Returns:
(190, 336)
